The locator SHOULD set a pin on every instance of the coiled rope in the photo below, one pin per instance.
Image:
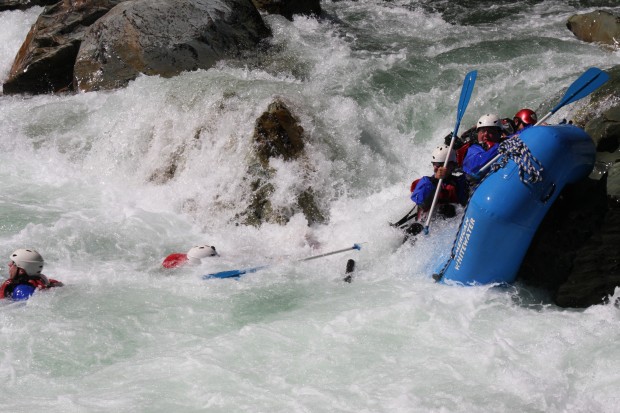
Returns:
(530, 168)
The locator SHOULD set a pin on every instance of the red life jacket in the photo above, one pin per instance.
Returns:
(447, 194)
(461, 152)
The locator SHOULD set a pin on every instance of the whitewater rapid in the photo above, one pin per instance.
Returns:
(375, 85)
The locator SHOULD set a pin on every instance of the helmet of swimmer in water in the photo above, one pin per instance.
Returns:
(197, 253)
(28, 260)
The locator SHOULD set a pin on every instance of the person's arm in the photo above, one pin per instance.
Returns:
(6, 288)
(424, 191)
(55, 283)
(477, 157)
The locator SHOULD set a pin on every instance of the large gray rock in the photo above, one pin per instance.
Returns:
(288, 8)
(164, 37)
(44, 63)
(598, 26)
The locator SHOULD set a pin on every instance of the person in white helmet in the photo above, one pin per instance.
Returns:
(453, 191)
(25, 275)
(194, 256)
(489, 134)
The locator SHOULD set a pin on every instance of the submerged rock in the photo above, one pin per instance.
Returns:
(277, 134)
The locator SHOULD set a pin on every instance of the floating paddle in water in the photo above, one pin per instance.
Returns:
(238, 273)
(468, 87)
(592, 79)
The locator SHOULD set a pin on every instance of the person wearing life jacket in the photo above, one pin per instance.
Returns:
(489, 134)
(524, 118)
(25, 276)
(194, 256)
(453, 190)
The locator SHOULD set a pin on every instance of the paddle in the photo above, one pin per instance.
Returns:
(587, 83)
(238, 273)
(468, 86)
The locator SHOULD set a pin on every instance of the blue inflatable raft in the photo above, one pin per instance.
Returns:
(504, 212)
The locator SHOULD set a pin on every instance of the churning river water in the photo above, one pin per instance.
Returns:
(375, 85)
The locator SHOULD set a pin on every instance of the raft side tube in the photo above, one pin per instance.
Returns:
(504, 213)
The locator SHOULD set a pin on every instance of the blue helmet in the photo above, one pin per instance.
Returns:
(22, 292)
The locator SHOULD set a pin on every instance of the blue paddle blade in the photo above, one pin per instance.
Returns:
(587, 83)
(468, 87)
(224, 274)
(232, 273)
(466, 90)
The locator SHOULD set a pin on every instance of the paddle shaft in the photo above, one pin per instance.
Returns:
(354, 247)
(237, 273)
(468, 86)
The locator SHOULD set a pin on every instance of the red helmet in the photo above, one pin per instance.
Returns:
(526, 116)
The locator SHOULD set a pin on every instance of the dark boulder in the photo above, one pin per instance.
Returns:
(277, 134)
(573, 219)
(575, 254)
(44, 63)
(596, 268)
(164, 37)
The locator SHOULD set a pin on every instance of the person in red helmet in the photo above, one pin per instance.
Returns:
(524, 119)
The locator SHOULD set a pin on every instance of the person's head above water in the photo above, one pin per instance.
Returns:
(28, 260)
(197, 253)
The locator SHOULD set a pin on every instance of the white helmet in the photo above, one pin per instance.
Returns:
(440, 153)
(28, 260)
(489, 120)
(197, 253)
